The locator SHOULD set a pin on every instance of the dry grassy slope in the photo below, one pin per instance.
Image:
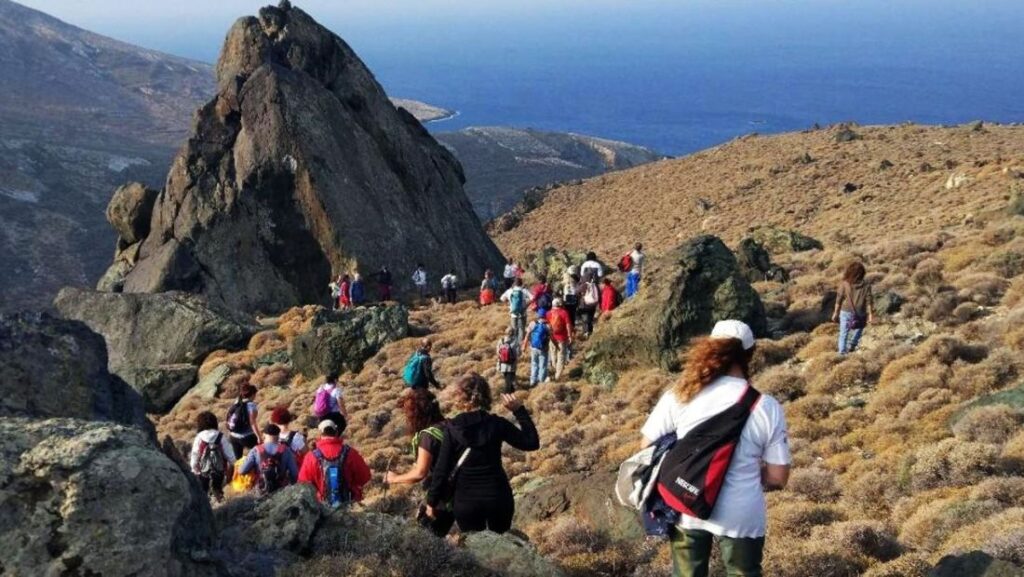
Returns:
(761, 180)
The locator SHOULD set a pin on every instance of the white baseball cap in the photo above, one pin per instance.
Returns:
(327, 424)
(734, 330)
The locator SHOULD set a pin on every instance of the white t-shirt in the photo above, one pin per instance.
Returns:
(506, 297)
(638, 261)
(449, 281)
(510, 271)
(334, 405)
(740, 509)
(208, 436)
(594, 266)
(419, 277)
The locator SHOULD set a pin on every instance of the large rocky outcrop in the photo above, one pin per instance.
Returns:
(149, 337)
(344, 340)
(684, 293)
(298, 168)
(91, 498)
(58, 368)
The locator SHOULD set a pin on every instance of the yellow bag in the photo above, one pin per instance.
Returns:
(242, 483)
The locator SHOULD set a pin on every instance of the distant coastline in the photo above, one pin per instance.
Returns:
(424, 112)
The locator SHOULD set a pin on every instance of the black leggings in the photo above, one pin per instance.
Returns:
(213, 485)
(588, 319)
(494, 514)
(246, 442)
(510, 382)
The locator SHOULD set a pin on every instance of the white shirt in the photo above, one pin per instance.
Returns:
(527, 296)
(419, 277)
(591, 265)
(207, 437)
(638, 261)
(510, 271)
(336, 396)
(449, 281)
(740, 509)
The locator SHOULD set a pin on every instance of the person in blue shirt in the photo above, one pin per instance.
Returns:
(356, 292)
(273, 462)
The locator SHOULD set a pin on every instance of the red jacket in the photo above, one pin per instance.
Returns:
(537, 290)
(355, 472)
(609, 298)
(558, 319)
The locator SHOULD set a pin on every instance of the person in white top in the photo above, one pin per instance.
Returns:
(212, 456)
(336, 400)
(518, 299)
(635, 270)
(294, 440)
(715, 377)
(509, 274)
(449, 285)
(419, 278)
(591, 268)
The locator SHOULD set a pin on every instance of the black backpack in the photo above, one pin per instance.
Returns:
(692, 473)
(238, 417)
(272, 474)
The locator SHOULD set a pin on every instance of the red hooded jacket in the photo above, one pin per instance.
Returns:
(355, 472)
(609, 298)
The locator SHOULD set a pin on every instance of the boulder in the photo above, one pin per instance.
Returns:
(588, 497)
(756, 264)
(161, 386)
(91, 498)
(975, 564)
(509, 556)
(552, 262)
(298, 168)
(130, 210)
(149, 331)
(887, 302)
(780, 241)
(687, 291)
(52, 367)
(344, 340)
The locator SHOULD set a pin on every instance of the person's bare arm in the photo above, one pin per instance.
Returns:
(417, 473)
(645, 442)
(839, 304)
(774, 477)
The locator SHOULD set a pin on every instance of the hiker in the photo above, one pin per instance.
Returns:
(854, 308)
(357, 292)
(241, 420)
(294, 440)
(212, 456)
(469, 465)
(335, 468)
(274, 463)
(715, 376)
(508, 358)
(509, 274)
(570, 297)
(610, 297)
(634, 270)
(419, 369)
(537, 341)
(384, 282)
(345, 294)
(589, 299)
(591, 268)
(419, 279)
(488, 289)
(561, 335)
(450, 284)
(426, 423)
(541, 294)
(335, 287)
(329, 398)
(518, 299)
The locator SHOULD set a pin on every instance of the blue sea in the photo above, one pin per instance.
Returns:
(674, 75)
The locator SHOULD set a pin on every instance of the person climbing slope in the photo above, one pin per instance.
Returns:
(541, 294)
(537, 341)
(610, 297)
(508, 358)
(570, 296)
(854, 308)
(273, 463)
(345, 292)
(634, 270)
(419, 280)
(357, 291)
(518, 299)
(488, 289)
(469, 470)
(384, 283)
(329, 398)
(335, 468)
(241, 420)
(715, 380)
(561, 336)
(212, 456)
(419, 369)
(294, 440)
(590, 299)
(426, 423)
(591, 268)
(509, 274)
(450, 287)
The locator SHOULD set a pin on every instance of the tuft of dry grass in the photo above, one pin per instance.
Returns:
(953, 463)
(993, 424)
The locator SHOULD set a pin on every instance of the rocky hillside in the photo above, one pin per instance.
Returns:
(842, 184)
(502, 163)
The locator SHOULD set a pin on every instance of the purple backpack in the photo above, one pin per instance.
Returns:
(322, 402)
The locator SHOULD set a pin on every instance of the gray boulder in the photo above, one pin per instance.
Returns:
(146, 333)
(298, 168)
(780, 241)
(888, 302)
(58, 368)
(756, 263)
(130, 210)
(553, 262)
(588, 497)
(509, 556)
(975, 564)
(687, 291)
(344, 340)
(90, 498)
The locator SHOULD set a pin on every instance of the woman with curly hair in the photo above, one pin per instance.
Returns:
(716, 376)
(854, 310)
(426, 423)
(469, 466)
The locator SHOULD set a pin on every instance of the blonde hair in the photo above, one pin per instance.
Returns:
(472, 393)
(707, 360)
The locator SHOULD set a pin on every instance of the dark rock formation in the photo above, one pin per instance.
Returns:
(130, 210)
(148, 336)
(589, 497)
(756, 263)
(778, 241)
(301, 167)
(975, 564)
(90, 498)
(686, 292)
(56, 368)
(344, 340)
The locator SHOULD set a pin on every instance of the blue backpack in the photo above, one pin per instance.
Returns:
(517, 301)
(413, 374)
(539, 336)
(336, 493)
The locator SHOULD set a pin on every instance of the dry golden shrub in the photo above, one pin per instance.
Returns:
(276, 375)
(824, 342)
(814, 557)
(1007, 490)
(952, 463)
(962, 256)
(895, 392)
(264, 341)
(934, 522)
(993, 424)
(867, 538)
(773, 352)
(784, 382)
(1013, 453)
(872, 492)
(1000, 369)
(910, 565)
(928, 401)
(982, 288)
(232, 385)
(1014, 294)
(212, 361)
(795, 518)
(998, 534)
(816, 484)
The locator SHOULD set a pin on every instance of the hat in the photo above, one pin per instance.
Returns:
(556, 303)
(327, 424)
(734, 330)
(542, 313)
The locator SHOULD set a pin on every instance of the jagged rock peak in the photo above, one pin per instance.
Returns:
(301, 168)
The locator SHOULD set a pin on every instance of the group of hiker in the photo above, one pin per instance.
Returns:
(710, 448)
